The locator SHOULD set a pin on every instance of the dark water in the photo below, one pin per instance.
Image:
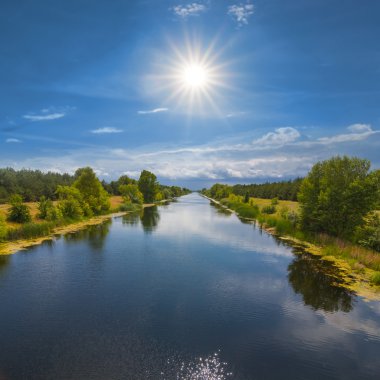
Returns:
(144, 296)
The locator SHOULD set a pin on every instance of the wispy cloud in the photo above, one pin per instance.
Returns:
(155, 110)
(241, 12)
(281, 153)
(43, 117)
(357, 132)
(106, 130)
(280, 136)
(12, 140)
(191, 9)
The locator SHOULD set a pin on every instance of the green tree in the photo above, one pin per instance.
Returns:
(19, 212)
(71, 203)
(131, 194)
(91, 190)
(337, 194)
(148, 186)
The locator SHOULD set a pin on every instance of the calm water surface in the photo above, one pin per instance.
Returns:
(144, 296)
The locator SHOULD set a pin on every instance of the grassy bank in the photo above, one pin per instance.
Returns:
(21, 236)
(359, 266)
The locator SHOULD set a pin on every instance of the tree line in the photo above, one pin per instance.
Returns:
(339, 197)
(284, 190)
(83, 197)
(31, 185)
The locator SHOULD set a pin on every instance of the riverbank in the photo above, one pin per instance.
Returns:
(11, 247)
(352, 272)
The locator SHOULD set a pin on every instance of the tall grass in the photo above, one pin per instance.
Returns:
(30, 230)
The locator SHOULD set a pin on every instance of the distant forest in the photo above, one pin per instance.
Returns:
(33, 184)
(285, 190)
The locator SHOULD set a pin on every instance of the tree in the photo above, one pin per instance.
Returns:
(131, 194)
(91, 190)
(148, 186)
(337, 194)
(71, 203)
(19, 212)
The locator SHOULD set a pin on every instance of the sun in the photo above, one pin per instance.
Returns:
(195, 76)
(191, 76)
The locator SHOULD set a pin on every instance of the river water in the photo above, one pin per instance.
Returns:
(146, 296)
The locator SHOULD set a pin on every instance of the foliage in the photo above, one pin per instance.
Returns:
(131, 194)
(30, 230)
(30, 184)
(114, 186)
(148, 186)
(274, 201)
(286, 190)
(368, 235)
(131, 207)
(375, 278)
(270, 209)
(3, 228)
(71, 204)
(337, 194)
(18, 212)
(91, 190)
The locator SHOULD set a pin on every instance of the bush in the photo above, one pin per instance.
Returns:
(246, 211)
(375, 278)
(274, 201)
(18, 212)
(270, 209)
(368, 235)
(129, 207)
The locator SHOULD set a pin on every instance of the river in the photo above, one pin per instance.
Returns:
(146, 296)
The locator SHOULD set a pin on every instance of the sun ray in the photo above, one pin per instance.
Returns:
(192, 78)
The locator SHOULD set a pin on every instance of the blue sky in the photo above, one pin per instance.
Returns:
(90, 82)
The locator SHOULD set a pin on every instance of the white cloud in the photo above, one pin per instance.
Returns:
(106, 130)
(241, 12)
(191, 9)
(12, 140)
(359, 128)
(51, 116)
(155, 110)
(277, 154)
(358, 132)
(280, 136)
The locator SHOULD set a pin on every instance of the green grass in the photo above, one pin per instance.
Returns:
(375, 278)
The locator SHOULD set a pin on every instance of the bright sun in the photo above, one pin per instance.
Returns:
(195, 76)
(192, 76)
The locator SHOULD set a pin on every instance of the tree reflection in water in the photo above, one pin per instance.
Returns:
(319, 283)
(150, 218)
(94, 235)
(4, 262)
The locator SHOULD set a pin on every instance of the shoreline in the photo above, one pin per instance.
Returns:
(12, 247)
(358, 283)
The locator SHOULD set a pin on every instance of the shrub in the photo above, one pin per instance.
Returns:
(70, 208)
(129, 207)
(274, 201)
(44, 205)
(247, 211)
(368, 235)
(284, 211)
(375, 278)
(270, 209)
(18, 212)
